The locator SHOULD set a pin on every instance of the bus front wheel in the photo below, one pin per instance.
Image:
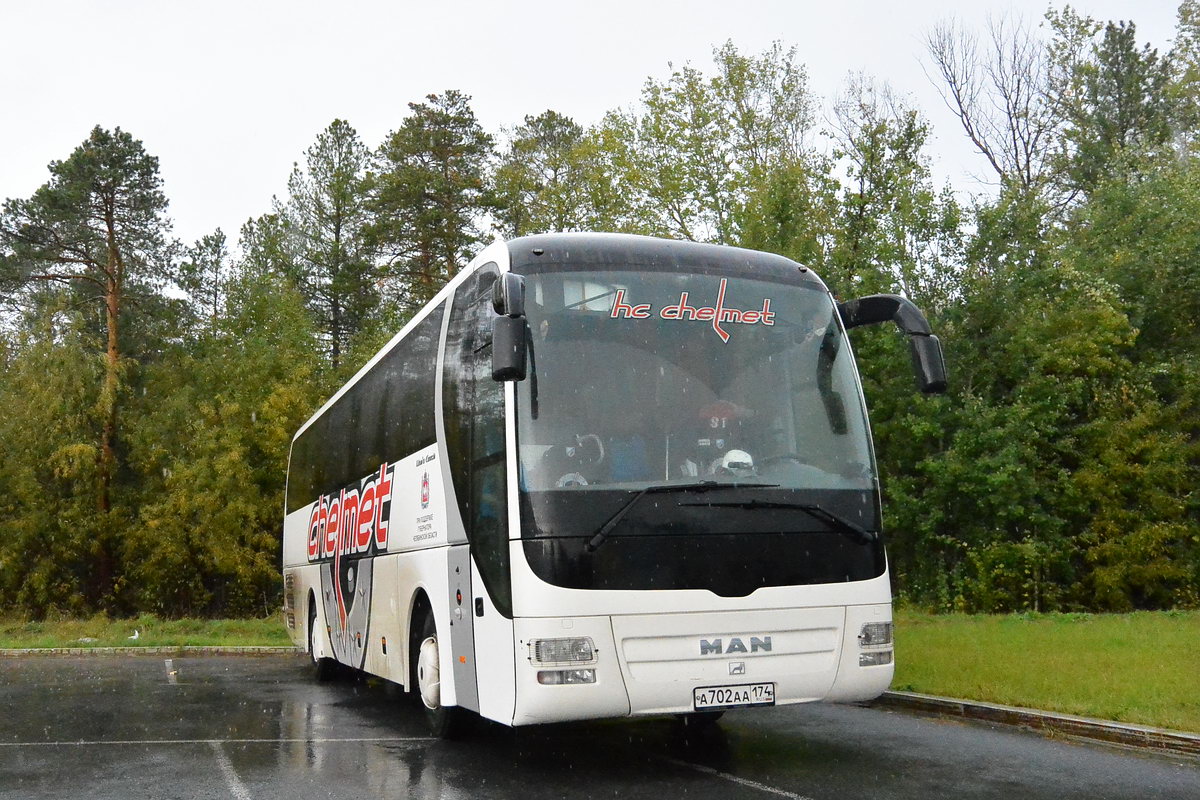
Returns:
(445, 722)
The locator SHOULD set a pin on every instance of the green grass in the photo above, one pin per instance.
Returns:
(152, 632)
(1139, 668)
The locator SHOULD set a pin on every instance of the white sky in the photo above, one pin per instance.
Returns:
(229, 94)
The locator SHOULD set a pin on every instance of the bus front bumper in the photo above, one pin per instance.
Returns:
(593, 667)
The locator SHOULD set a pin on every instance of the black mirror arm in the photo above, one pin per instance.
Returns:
(877, 308)
(929, 366)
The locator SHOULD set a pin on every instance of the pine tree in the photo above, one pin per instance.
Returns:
(325, 220)
(430, 193)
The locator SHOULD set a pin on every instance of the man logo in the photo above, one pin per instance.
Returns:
(717, 647)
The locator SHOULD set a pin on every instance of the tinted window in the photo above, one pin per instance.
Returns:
(386, 416)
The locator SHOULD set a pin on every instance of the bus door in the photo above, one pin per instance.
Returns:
(473, 409)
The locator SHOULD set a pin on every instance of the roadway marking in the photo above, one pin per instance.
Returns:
(762, 787)
(218, 742)
(236, 787)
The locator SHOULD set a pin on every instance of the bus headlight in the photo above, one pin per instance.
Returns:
(573, 650)
(558, 677)
(875, 634)
(876, 639)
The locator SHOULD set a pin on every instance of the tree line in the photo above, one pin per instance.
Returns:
(150, 388)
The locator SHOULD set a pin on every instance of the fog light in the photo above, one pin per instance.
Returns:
(875, 634)
(575, 650)
(558, 677)
(875, 659)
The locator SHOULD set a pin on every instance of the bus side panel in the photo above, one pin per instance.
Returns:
(295, 538)
(385, 651)
(493, 655)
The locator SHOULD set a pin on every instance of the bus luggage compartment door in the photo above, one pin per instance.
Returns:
(665, 657)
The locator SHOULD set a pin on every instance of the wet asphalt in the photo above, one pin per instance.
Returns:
(259, 727)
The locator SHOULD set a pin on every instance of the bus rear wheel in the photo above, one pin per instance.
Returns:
(324, 669)
(445, 722)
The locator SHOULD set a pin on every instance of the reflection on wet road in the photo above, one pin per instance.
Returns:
(246, 727)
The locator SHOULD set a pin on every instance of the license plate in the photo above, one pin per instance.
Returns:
(737, 696)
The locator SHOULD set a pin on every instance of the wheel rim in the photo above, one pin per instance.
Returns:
(429, 674)
(312, 640)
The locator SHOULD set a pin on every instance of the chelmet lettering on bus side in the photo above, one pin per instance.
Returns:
(352, 520)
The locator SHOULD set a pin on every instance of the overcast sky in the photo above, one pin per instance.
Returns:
(229, 94)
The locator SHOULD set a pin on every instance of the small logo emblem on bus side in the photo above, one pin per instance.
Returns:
(425, 491)
(737, 667)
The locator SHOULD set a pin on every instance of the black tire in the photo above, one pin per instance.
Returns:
(324, 669)
(445, 722)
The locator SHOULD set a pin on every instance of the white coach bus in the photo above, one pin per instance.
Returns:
(598, 476)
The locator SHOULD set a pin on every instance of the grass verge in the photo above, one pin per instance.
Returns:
(152, 632)
(1137, 668)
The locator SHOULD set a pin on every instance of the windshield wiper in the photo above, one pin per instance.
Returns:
(842, 525)
(699, 486)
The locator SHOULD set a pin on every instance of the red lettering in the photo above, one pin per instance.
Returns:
(349, 520)
(324, 525)
(768, 316)
(314, 532)
(680, 310)
(333, 526)
(621, 308)
(718, 314)
(716, 318)
(366, 516)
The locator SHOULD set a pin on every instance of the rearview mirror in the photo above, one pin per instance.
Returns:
(929, 366)
(508, 295)
(508, 348)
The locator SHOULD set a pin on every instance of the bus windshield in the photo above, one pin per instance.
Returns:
(649, 378)
(682, 431)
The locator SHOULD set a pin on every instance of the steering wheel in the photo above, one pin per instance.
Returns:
(589, 441)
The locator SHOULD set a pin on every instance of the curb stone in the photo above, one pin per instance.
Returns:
(178, 650)
(1142, 737)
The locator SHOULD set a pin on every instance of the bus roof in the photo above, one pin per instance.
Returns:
(598, 251)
